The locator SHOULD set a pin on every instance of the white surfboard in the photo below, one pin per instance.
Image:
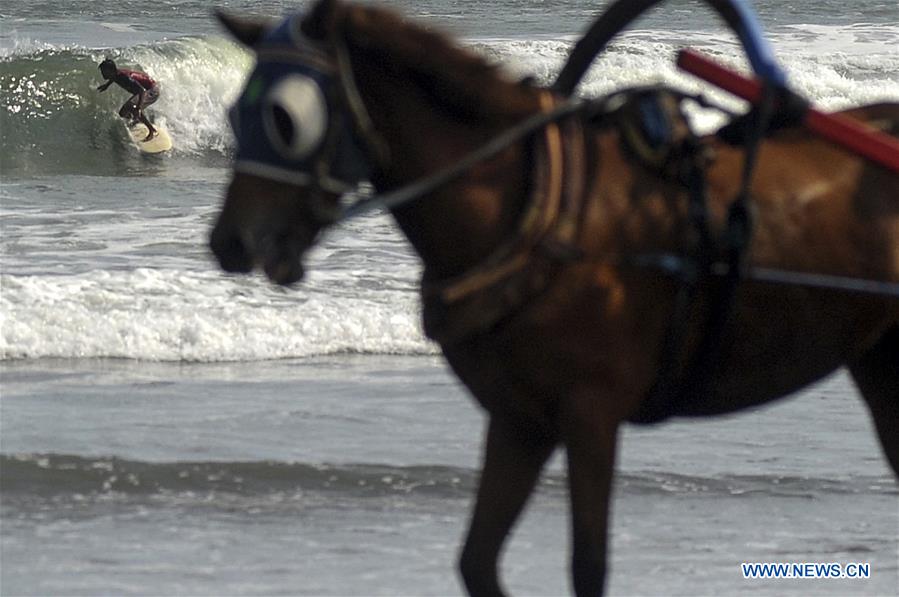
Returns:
(159, 143)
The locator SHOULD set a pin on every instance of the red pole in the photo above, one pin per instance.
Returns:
(852, 134)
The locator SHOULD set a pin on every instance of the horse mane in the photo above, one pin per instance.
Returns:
(455, 78)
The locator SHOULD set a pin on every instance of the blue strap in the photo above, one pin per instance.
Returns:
(758, 50)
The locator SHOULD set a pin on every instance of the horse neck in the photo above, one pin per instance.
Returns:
(457, 226)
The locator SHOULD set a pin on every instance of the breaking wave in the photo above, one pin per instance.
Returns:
(54, 120)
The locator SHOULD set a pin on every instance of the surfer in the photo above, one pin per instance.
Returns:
(144, 89)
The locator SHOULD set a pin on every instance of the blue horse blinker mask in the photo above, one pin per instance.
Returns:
(285, 123)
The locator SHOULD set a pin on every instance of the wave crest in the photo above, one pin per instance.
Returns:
(49, 475)
(55, 121)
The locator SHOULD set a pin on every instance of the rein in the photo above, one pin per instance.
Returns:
(419, 188)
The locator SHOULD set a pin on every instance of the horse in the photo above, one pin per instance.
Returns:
(534, 283)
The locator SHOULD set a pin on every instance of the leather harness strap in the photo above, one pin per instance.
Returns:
(522, 267)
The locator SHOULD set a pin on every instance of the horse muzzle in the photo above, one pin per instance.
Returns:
(260, 232)
(231, 252)
(279, 256)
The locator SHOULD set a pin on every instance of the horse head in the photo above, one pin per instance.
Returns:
(296, 153)
(348, 94)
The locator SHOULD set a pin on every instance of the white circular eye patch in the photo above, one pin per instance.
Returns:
(295, 116)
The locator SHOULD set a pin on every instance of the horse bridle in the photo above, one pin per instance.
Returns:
(291, 124)
(286, 51)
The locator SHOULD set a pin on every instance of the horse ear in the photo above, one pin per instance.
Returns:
(247, 31)
(320, 19)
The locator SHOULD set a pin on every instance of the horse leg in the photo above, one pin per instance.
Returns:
(512, 465)
(877, 375)
(590, 441)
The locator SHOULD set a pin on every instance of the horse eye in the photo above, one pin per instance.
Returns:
(283, 124)
(295, 116)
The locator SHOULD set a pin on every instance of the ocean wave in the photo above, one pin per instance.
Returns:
(54, 474)
(50, 105)
(48, 475)
(54, 120)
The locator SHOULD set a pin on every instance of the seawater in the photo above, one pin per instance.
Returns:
(168, 429)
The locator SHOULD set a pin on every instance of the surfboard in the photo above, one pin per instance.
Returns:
(161, 142)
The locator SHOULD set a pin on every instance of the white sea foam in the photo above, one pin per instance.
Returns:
(836, 67)
(119, 27)
(17, 45)
(167, 315)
